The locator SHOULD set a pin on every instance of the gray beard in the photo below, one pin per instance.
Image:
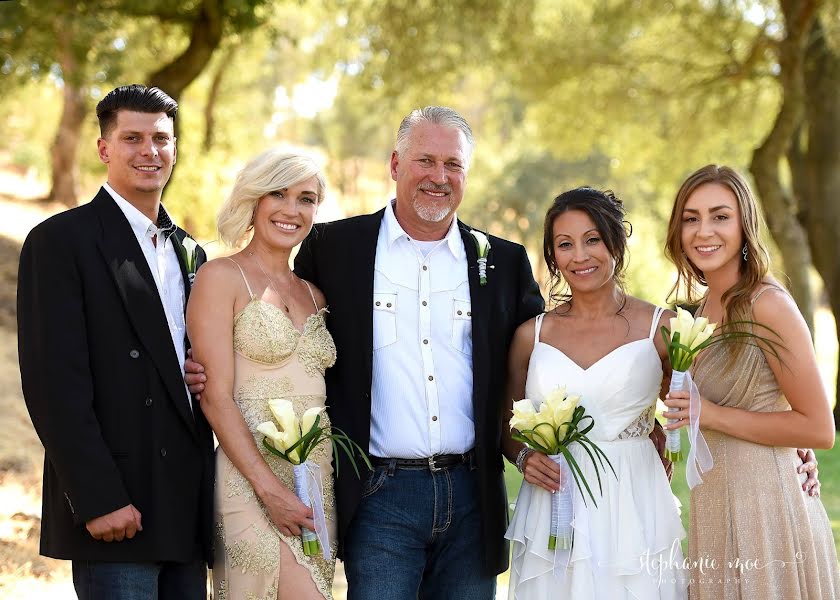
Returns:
(430, 213)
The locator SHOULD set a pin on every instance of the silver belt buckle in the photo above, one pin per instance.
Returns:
(432, 467)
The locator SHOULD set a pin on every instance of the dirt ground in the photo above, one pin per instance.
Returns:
(23, 573)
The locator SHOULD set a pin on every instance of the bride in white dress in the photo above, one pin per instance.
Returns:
(604, 346)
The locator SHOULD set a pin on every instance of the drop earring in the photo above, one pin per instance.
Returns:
(744, 251)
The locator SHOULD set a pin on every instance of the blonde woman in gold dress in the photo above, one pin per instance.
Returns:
(259, 332)
(754, 532)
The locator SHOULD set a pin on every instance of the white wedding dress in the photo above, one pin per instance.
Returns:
(628, 547)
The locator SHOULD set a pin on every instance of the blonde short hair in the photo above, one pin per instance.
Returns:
(270, 171)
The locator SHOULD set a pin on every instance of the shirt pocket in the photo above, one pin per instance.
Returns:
(462, 326)
(384, 319)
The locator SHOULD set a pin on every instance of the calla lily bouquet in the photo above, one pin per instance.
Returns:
(685, 339)
(294, 441)
(551, 427)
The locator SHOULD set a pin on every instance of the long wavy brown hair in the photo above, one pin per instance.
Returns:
(754, 270)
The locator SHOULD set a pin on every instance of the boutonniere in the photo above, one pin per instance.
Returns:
(482, 244)
(189, 252)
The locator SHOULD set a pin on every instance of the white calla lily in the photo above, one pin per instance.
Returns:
(189, 245)
(284, 412)
(482, 243)
(524, 415)
(307, 421)
(269, 430)
(686, 326)
(703, 335)
(289, 439)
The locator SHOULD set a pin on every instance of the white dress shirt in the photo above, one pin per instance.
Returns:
(166, 271)
(421, 396)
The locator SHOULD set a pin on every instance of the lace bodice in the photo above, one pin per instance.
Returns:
(263, 333)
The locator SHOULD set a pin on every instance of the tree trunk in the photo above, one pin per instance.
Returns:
(205, 36)
(821, 173)
(65, 147)
(780, 206)
(213, 96)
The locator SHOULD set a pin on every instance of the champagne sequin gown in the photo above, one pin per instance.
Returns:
(272, 359)
(754, 534)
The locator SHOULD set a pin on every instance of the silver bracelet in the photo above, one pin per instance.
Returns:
(520, 459)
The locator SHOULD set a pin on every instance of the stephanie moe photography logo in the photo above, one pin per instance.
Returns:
(710, 569)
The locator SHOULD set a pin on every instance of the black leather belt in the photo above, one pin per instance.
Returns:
(438, 462)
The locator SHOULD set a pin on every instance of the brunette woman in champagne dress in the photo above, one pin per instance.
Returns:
(754, 533)
(259, 332)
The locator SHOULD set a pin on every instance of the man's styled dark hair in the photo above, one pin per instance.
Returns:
(136, 98)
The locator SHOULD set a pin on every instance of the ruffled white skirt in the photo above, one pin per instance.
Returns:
(628, 547)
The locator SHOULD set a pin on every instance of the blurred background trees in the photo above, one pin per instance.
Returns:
(630, 95)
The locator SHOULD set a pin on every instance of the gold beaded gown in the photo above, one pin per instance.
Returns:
(272, 359)
(753, 532)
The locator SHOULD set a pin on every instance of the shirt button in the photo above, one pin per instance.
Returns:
(425, 268)
(425, 341)
(388, 305)
(134, 354)
(431, 377)
(378, 304)
(163, 452)
(434, 418)
(148, 401)
(469, 314)
(460, 313)
(425, 303)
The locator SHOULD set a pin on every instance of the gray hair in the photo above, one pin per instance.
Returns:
(439, 115)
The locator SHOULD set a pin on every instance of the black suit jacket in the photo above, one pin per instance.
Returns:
(339, 258)
(105, 392)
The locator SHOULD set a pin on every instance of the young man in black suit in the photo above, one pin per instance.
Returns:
(128, 470)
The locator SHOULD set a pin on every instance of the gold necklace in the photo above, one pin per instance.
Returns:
(271, 281)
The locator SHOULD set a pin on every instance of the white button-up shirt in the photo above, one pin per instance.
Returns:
(421, 396)
(166, 271)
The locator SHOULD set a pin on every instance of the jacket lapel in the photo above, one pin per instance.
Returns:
(360, 279)
(139, 294)
(481, 305)
(178, 243)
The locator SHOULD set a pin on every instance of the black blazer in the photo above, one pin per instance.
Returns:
(105, 392)
(339, 258)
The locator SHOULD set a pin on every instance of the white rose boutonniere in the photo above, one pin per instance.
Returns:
(482, 244)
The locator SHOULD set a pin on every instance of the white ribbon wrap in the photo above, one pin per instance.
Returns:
(482, 269)
(308, 486)
(672, 436)
(699, 457)
(562, 515)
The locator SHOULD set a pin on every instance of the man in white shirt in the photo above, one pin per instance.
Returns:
(422, 352)
(128, 470)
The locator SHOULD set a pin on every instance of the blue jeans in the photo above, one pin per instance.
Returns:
(140, 581)
(417, 534)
